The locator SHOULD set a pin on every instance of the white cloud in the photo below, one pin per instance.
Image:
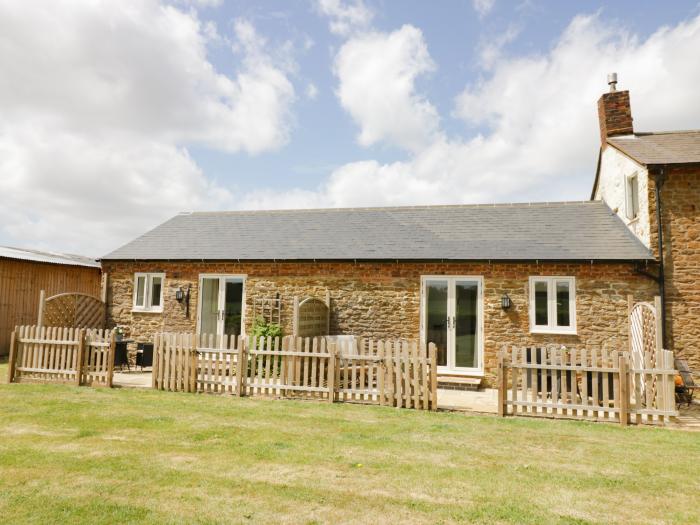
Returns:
(483, 7)
(539, 116)
(311, 91)
(346, 17)
(491, 48)
(377, 74)
(97, 105)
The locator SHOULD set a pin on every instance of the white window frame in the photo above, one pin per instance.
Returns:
(552, 327)
(148, 292)
(632, 196)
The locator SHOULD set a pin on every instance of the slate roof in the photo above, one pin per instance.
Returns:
(542, 231)
(673, 147)
(8, 252)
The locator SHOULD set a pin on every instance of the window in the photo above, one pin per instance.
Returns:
(148, 292)
(553, 305)
(632, 196)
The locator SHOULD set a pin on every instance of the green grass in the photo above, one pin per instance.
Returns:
(84, 455)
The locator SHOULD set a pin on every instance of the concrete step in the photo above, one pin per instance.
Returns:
(459, 383)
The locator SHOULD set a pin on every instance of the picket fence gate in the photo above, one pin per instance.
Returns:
(581, 383)
(40, 354)
(393, 373)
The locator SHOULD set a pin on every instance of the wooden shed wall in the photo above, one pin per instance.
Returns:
(22, 281)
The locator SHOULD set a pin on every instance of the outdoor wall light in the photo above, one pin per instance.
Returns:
(505, 301)
(179, 295)
(182, 295)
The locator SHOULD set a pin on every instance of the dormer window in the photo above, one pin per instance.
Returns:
(632, 196)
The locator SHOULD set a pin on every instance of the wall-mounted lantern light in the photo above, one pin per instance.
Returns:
(179, 295)
(182, 295)
(505, 301)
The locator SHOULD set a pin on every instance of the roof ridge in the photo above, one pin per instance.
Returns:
(390, 208)
(670, 132)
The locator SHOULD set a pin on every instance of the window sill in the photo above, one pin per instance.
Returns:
(147, 311)
(555, 331)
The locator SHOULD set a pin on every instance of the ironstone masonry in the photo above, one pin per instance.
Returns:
(382, 300)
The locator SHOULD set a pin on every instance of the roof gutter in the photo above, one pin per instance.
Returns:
(659, 179)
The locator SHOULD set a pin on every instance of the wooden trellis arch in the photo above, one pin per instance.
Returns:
(644, 335)
(74, 310)
(311, 316)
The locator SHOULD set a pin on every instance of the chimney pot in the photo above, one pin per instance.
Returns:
(612, 81)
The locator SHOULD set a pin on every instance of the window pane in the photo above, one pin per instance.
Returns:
(156, 285)
(436, 318)
(563, 318)
(140, 289)
(209, 313)
(541, 318)
(467, 301)
(233, 307)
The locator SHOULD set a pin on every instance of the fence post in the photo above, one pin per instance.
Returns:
(330, 371)
(624, 392)
(432, 353)
(80, 357)
(110, 358)
(659, 323)
(502, 380)
(42, 300)
(12, 363)
(194, 361)
(241, 366)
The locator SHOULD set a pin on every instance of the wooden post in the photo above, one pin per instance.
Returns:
(42, 300)
(381, 373)
(502, 387)
(432, 353)
(624, 390)
(157, 341)
(630, 306)
(330, 372)
(241, 366)
(659, 327)
(80, 357)
(110, 358)
(194, 361)
(12, 363)
(103, 298)
(295, 317)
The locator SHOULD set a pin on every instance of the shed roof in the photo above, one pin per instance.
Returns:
(541, 231)
(672, 147)
(25, 254)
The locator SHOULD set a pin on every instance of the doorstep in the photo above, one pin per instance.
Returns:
(459, 382)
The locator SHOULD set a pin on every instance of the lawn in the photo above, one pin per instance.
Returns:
(85, 455)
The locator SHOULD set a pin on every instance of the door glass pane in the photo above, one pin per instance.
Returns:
(563, 318)
(140, 289)
(210, 305)
(156, 285)
(541, 303)
(436, 317)
(233, 307)
(466, 324)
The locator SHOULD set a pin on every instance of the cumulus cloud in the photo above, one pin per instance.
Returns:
(538, 117)
(377, 74)
(483, 7)
(346, 17)
(98, 104)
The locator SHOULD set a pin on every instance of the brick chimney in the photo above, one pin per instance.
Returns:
(614, 111)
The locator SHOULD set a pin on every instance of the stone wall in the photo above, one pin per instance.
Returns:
(382, 300)
(680, 199)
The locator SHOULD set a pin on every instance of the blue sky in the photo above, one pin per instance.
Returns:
(117, 114)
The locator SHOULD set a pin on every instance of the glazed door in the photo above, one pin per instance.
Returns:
(452, 319)
(221, 305)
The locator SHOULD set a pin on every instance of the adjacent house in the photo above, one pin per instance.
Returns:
(24, 273)
(469, 278)
(651, 179)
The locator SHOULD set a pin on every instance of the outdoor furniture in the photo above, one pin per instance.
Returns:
(685, 390)
(121, 356)
(144, 355)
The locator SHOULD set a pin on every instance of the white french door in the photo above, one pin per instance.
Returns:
(452, 318)
(221, 300)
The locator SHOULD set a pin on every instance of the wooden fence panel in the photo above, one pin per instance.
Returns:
(54, 354)
(395, 373)
(585, 384)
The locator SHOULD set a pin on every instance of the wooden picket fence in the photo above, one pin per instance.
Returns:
(61, 355)
(593, 384)
(394, 373)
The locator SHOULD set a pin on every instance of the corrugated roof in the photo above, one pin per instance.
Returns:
(673, 147)
(555, 231)
(47, 257)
